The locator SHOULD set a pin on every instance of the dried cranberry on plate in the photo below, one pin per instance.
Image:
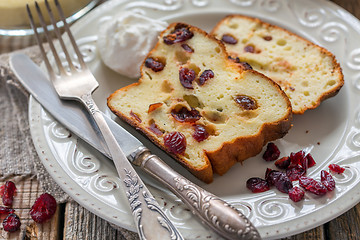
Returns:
(312, 185)
(256, 184)
(296, 194)
(336, 168)
(271, 153)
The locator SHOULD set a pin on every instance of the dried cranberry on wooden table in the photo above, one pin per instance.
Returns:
(7, 192)
(11, 223)
(44, 208)
(5, 210)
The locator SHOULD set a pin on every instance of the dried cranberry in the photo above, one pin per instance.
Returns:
(271, 176)
(283, 163)
(327, 180)
(187, 76)
(175, 142)
(243, 65)
(154, 65)
(307, 161)
(283, 183)
(310, 161)
(154, 128)
(181, 33)
(336, 168)
(249, 48)
(184, 115)
(296, 194)
(279, 180)
(227, 38)
(294, 172)
(11, 223)
(44, 208)
(5, 210)
(267, 38)
(206, 75)
(312, 185)
(271, 153)
(257, 185)
(246, 102)
(8, 191)
(297, 158)
(134, 115)
(200, 133)
(187, 48)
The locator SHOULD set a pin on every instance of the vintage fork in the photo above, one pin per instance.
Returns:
(78, 83)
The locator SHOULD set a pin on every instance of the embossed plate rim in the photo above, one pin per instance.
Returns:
(81, 191)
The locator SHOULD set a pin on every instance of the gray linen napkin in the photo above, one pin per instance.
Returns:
(19, 158)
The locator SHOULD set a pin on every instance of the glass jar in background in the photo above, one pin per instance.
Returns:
(15, 22)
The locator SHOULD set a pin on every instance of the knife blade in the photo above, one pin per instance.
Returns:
(223, 218)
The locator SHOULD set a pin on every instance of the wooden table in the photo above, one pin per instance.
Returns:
(88, 226)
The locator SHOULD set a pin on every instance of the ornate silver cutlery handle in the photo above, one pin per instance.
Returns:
(150, 221)
(224, 219)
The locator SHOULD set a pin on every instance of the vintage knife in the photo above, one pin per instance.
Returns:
(224, 219)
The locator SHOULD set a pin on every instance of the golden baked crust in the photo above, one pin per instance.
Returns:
(159, 103)
(306, 72)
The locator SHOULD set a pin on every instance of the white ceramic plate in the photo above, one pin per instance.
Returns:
(331, 133)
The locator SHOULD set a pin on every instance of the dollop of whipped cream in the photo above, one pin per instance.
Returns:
(125, 41)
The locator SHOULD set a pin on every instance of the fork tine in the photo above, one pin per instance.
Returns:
(58, 34)
(71, 37)
(40, 43)
(50, 40)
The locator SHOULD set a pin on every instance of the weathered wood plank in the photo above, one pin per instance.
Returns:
(28, 190)
(81, 224)
(345, 227)
(313, 234)
(353, 6)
